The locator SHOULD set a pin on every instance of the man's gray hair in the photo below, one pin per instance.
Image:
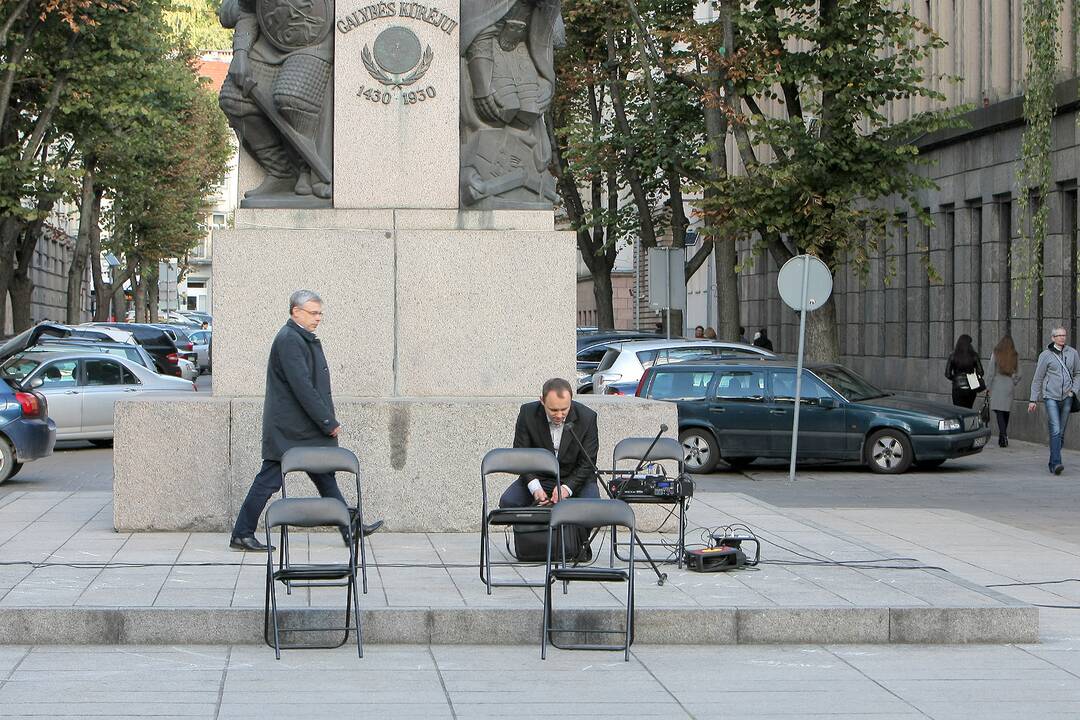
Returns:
(300, 297)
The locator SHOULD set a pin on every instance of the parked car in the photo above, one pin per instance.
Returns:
(181, 337)
(627, 361)
(133, 352)
(739, 411)
(155, 340)
(194, 316)
(82, 387)
(179, 317)
(201, 341)
(592, 346)
(27, 432)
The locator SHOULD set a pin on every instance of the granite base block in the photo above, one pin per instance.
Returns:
(420, 458)
(170, 464)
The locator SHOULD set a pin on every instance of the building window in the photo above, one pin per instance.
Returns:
(218, 220)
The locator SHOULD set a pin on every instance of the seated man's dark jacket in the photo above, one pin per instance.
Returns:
(532, 431)
(298, 411)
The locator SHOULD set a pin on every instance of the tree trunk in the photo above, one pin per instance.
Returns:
(22, 286)
(10, 229)
(605, 312)
(102, 289)
(716, 123)
(152, 292)
(822, 339)
(118, 301)
(87, 218)
(138, 289)
(727, 289)
(22, 291)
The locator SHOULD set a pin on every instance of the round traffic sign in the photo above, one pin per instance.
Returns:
(818, 282)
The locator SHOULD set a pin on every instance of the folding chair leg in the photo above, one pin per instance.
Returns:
(547, 620)
(363, 557)
(273, 604)
(356, 618)
(485, 532)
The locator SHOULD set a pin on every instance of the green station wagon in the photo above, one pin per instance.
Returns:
(740, 411)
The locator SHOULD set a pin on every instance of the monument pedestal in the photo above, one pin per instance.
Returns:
(439, 325)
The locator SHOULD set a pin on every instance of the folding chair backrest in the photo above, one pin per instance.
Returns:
(635, 449)
(319, 460)
(307, 512)
(520, 461)
(592, 512)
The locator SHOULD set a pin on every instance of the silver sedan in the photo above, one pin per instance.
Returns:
(82, 387)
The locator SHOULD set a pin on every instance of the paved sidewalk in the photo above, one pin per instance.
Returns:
(189, 587)
(428, 682)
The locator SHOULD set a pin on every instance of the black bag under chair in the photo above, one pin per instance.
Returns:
(531, 543)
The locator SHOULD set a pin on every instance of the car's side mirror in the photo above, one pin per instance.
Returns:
(36, 383)
(827, 402)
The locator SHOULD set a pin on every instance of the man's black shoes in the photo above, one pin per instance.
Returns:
(249, 543)
(1058, 469)
(368, 530)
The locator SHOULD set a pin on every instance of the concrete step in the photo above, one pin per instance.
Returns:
(509, 626)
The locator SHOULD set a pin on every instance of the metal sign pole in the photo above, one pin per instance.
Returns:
(798, 370)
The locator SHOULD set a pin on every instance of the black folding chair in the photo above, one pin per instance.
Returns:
(310, 513)
(638, 450)
(325, 460)
(589, 513)
(514, 461)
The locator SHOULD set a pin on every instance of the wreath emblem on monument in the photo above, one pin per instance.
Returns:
(397, 59)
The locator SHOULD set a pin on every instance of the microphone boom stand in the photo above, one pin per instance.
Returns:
(598, 476)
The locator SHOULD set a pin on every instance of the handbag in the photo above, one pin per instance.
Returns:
(1075, 404)
(984, 411)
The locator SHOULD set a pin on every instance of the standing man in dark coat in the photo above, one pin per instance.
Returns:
(298, 412)
(541, 424)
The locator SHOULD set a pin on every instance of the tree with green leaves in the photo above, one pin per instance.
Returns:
(814, 77)
(101, 103)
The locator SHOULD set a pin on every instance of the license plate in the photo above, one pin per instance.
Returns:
(979, 442)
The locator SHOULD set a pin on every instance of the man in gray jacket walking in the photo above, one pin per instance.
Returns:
(1056, 380)
(298, 412)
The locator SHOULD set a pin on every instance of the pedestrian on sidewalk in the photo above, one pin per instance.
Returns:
(710, 334)
(761, 339)
(962, 366)
(298, 412)
(1056, 380)
(1004, 375)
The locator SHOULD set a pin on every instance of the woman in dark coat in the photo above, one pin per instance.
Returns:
(963, 361)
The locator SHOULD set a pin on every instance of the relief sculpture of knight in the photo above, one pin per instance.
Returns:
(278, 97)
(507, 84)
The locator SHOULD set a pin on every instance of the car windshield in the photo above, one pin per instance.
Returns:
(18, 367)
(849, 384)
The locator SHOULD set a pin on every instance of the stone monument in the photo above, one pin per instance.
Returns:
(395, 161)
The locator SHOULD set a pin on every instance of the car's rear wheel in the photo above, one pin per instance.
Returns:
(700, 451)
(8, 465)
(737, 463)
(929, 464)
(889, 451)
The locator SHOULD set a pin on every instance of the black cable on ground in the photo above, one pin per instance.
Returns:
(1041, 582)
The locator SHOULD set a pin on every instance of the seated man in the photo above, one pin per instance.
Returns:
(541, 424)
